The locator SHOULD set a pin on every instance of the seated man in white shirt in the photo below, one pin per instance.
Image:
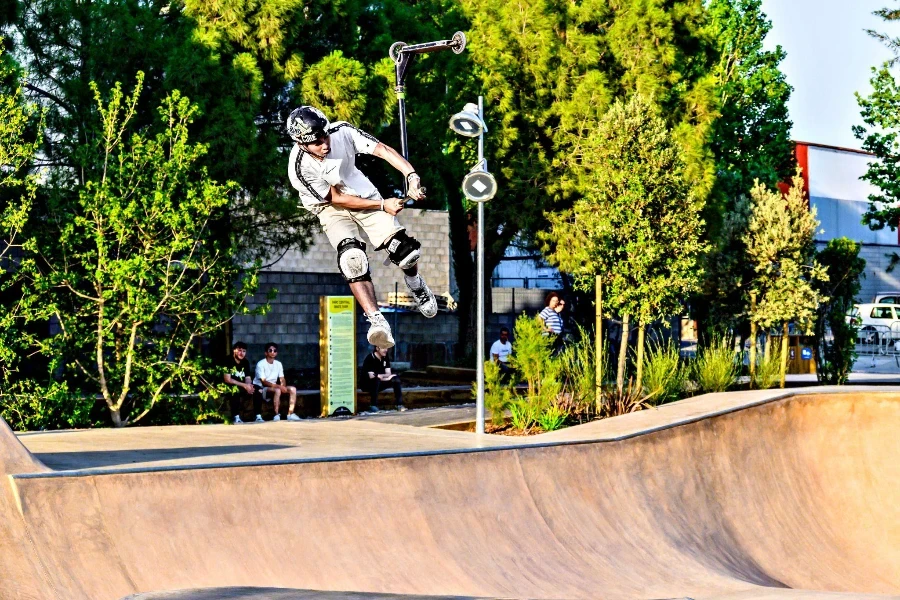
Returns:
(500, 351)
(269, 381)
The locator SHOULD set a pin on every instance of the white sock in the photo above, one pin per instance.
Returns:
(414, 282)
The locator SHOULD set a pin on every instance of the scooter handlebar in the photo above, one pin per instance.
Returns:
(457, 43)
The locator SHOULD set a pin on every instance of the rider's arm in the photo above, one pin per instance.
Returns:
(391, 206)
(352, 202)
(394, 158)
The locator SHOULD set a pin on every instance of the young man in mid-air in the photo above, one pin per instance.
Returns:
(322, 167)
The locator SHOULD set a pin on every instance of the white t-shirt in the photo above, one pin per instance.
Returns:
(270, 373)
(313, 178)
(502, 350)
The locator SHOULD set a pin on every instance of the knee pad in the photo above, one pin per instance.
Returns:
(403, 250)
(352, 260)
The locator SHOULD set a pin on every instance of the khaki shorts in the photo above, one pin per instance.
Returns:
(341, 223)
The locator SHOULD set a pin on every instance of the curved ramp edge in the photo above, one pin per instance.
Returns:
(22, 575)
(799, 493)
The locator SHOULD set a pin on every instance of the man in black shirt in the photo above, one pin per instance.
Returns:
(238, 375)
(377, 372)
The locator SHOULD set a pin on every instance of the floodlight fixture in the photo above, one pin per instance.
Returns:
(467, 122)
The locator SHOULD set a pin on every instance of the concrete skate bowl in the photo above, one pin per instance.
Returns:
(793, 498)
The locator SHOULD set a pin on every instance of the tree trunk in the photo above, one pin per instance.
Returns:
(116, 416)
(623, 352)
(784, 353)
(598, 348)
(752, 338)
(640, 358)
(752, 353)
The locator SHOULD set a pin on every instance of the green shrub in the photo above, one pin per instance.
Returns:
(552, 418)
(26, 406)
(768, 369)
(533, 354)
(663, 374)
(577, 371)
(497, 393)
(523, 413)
(534, 362)
(715, 369)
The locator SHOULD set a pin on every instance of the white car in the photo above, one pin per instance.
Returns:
(887, 298)
(877, 321)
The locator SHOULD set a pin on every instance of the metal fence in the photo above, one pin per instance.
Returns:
(543, 283)
(879, 341)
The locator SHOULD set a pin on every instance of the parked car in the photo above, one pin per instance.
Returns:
(876, 322)
(887, 298)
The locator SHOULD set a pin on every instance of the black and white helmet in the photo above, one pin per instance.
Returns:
(306, 124)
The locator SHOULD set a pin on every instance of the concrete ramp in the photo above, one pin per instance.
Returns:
(794, 498)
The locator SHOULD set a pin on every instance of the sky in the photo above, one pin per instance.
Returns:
(829, 57)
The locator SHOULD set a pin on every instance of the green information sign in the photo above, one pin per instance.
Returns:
(337, 354)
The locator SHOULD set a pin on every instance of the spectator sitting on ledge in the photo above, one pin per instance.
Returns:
(237, 374)
(500, 351)
(377, 369)
(269, 380)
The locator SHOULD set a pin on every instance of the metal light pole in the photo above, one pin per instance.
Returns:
(478, 186)
(479, 397)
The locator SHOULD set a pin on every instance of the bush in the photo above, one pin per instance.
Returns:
(768, 369)
(533, 355)
(523, 414)
(533, 360)
(497, 394)
(715, 369)
(578, 371)
(26, 406)
(553, 417)
(663, 374)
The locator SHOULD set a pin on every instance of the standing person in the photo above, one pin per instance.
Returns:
(551, 322)
(500, 351)
(270, 380)
(237, 374)
(561, 336)
(322, 167)
(377, 367)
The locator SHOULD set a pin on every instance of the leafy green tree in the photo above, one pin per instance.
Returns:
(835, 357)
(638, 227)
(881, 115)
(19, 142)
(550, 71)
(245, 64)
(752, 135)
(133, 278)
(781, 247)
(888, 14)
(751, 141)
